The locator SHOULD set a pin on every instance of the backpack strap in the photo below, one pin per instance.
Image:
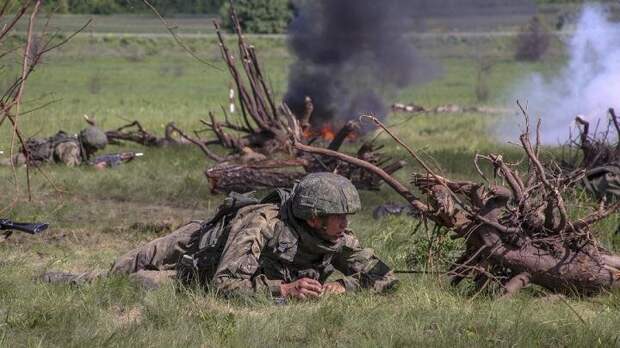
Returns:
(277, 196)
(205, 248)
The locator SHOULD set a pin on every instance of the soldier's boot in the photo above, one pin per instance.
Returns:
(151, 280)
(56, 277)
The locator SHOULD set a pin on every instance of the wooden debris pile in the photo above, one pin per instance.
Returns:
(517, 232)
(136, 133)
(261, 154)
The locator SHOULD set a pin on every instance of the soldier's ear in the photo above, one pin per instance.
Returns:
(315, 222)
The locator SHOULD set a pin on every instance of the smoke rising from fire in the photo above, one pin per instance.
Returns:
(350, 53)
(588, 85)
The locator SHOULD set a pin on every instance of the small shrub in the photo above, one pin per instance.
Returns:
(432, 252)
(95, 83)
(175, 70)
(101, 7)
(532, 41)
(482, 89)
(484, 67)
(135, 54)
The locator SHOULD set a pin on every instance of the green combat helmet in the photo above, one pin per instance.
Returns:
(320, 194)
(93, 137)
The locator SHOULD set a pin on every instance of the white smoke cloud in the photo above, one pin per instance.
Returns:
(589, 85)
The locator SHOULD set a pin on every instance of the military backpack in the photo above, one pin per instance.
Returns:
(42, 150)
(200, 261)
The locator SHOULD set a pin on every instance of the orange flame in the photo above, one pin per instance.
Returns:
(327, 132)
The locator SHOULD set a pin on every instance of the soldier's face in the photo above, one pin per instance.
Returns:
(330, 227)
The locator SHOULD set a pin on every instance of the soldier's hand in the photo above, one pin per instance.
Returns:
(334, 288)
(100, 165)
(302, 289)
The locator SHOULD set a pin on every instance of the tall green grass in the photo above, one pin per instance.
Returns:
(94, 217)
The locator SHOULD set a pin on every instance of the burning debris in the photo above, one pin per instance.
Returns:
(261, 153)
(515, 234)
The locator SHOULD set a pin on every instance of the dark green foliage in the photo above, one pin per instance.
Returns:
(533, 40)
(124, 6)
(431, 249)
(485, 65)
(184, 6)
(260, 16)
(91, 6)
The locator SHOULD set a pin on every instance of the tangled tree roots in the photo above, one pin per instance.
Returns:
(515, 234)
(134, 132)
(261, 152)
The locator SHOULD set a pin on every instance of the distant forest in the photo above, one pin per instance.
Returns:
(133, 6)
(183, 6)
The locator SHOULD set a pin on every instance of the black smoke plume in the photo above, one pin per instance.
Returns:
(350, 53)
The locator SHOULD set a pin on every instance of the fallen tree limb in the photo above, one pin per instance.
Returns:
(232, 176)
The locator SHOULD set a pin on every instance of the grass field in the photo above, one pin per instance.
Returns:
(95, 216)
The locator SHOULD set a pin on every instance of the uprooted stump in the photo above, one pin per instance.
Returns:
(515, 234)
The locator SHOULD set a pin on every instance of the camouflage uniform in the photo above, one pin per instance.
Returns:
(61, 148)
(604, 181)
(267, 245)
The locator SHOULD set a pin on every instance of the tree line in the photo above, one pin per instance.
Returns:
(134, 6)
(256, 16)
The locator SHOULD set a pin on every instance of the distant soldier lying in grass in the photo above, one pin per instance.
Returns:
(64, 148)
(286, 245)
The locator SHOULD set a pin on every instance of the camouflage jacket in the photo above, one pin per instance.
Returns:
(266, 246)
(604, 181)
(60, 148)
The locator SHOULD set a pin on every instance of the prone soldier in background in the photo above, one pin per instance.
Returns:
(286, 245)
(61, 148)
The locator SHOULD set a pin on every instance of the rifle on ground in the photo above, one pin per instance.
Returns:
(114, 159)
(31, 228)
